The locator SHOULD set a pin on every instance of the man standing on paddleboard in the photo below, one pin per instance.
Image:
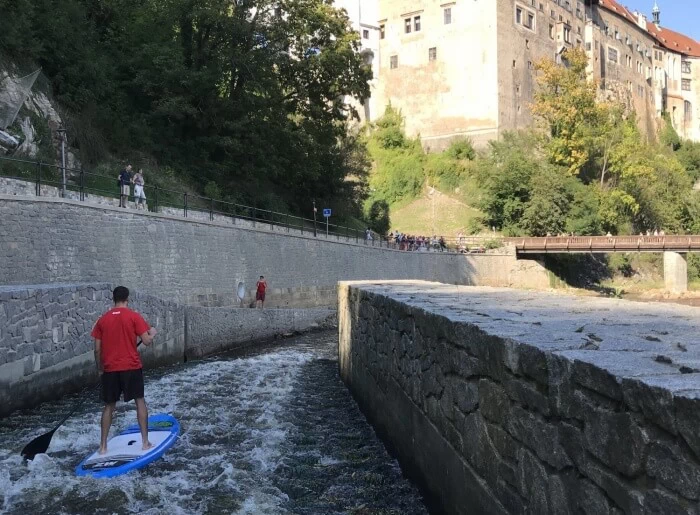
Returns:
(119, 363)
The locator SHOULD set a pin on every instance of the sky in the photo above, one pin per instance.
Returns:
(680, 15)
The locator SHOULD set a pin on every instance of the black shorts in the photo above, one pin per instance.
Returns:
(128, 382)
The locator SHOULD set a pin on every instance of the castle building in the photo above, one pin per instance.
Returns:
(466, 68)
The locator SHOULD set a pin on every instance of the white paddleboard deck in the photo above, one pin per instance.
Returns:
(125, 451)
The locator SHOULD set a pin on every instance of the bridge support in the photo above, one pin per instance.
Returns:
(675, 272)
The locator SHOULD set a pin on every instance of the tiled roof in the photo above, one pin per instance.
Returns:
(666, 38)
(674, 40)
(613, 6)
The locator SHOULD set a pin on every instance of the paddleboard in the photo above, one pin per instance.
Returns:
(124, 452)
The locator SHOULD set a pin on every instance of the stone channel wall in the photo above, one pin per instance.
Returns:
(49, 240)
(212, 330)
(46, 349)
(45, 344)
(499, 401)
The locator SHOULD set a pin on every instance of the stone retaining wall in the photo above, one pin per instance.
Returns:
(501, 401)
(51, 240)
(23, 188)
(212, 330)
(46, 349)
(45, 344)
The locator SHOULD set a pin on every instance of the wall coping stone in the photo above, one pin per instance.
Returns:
(541, 401)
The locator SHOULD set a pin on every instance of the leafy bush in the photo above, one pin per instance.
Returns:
(461, 148)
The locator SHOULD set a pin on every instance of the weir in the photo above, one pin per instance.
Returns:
(506, 401)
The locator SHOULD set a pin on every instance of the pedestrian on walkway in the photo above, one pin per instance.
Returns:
(119, 364)
(139, 195)
(124, 182)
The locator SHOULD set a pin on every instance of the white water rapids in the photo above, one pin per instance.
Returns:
(272, 432)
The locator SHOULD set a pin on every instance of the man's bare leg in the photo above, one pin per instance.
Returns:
(105, 424)
(142, 416)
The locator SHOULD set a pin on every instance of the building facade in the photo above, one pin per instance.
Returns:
(466, 68)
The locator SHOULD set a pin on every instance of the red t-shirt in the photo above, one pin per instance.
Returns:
(262, 286)
(118, 329)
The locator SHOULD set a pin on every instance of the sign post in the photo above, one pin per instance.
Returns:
(327, 214)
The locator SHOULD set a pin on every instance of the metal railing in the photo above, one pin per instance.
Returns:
(93, 187)
(605, 244)
(81, 184)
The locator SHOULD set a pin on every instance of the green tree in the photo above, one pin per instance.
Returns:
(398, 160)
(668, 137)
(689, 156)
(565, 101)
(248, 94)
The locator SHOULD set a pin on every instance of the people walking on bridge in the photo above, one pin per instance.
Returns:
(139, 195)
(260, 289)
(119, 364)
(124, 185)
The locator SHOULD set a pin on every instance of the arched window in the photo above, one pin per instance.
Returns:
(687, 112)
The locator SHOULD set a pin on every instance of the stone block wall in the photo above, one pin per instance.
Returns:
(49, 240)
(46, 349)
(24, 188)
(45, 343)
(507, 402)
(212, 330)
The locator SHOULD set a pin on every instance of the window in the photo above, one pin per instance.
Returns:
(589, 46)
(567, 34)
(525, 18)
(365, 34)
(529, 65)
(527, 43)
(551, 31)
(687, 111)
(394, 62)
(612, 54)
(432, 54)
(685, 84)
(541, 7)
(530, 23)
(685, 66)
(447, 15)
(553, 14)
(416, 23)
(382, 31)
(407, 25)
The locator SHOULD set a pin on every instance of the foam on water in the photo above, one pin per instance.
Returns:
(238, 433)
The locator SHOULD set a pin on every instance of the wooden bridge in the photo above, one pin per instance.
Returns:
(604, 244)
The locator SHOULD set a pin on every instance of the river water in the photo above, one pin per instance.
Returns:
(274, 431)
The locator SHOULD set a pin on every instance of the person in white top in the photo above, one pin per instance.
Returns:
(139, 195)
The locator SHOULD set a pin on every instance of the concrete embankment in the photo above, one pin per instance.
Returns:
(504, 401)
(46, 349)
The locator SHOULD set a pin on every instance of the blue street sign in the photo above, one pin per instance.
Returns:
(327, 212)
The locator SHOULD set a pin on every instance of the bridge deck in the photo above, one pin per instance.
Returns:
(605, 244)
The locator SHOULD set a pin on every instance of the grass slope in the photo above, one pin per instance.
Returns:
(432, 214)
